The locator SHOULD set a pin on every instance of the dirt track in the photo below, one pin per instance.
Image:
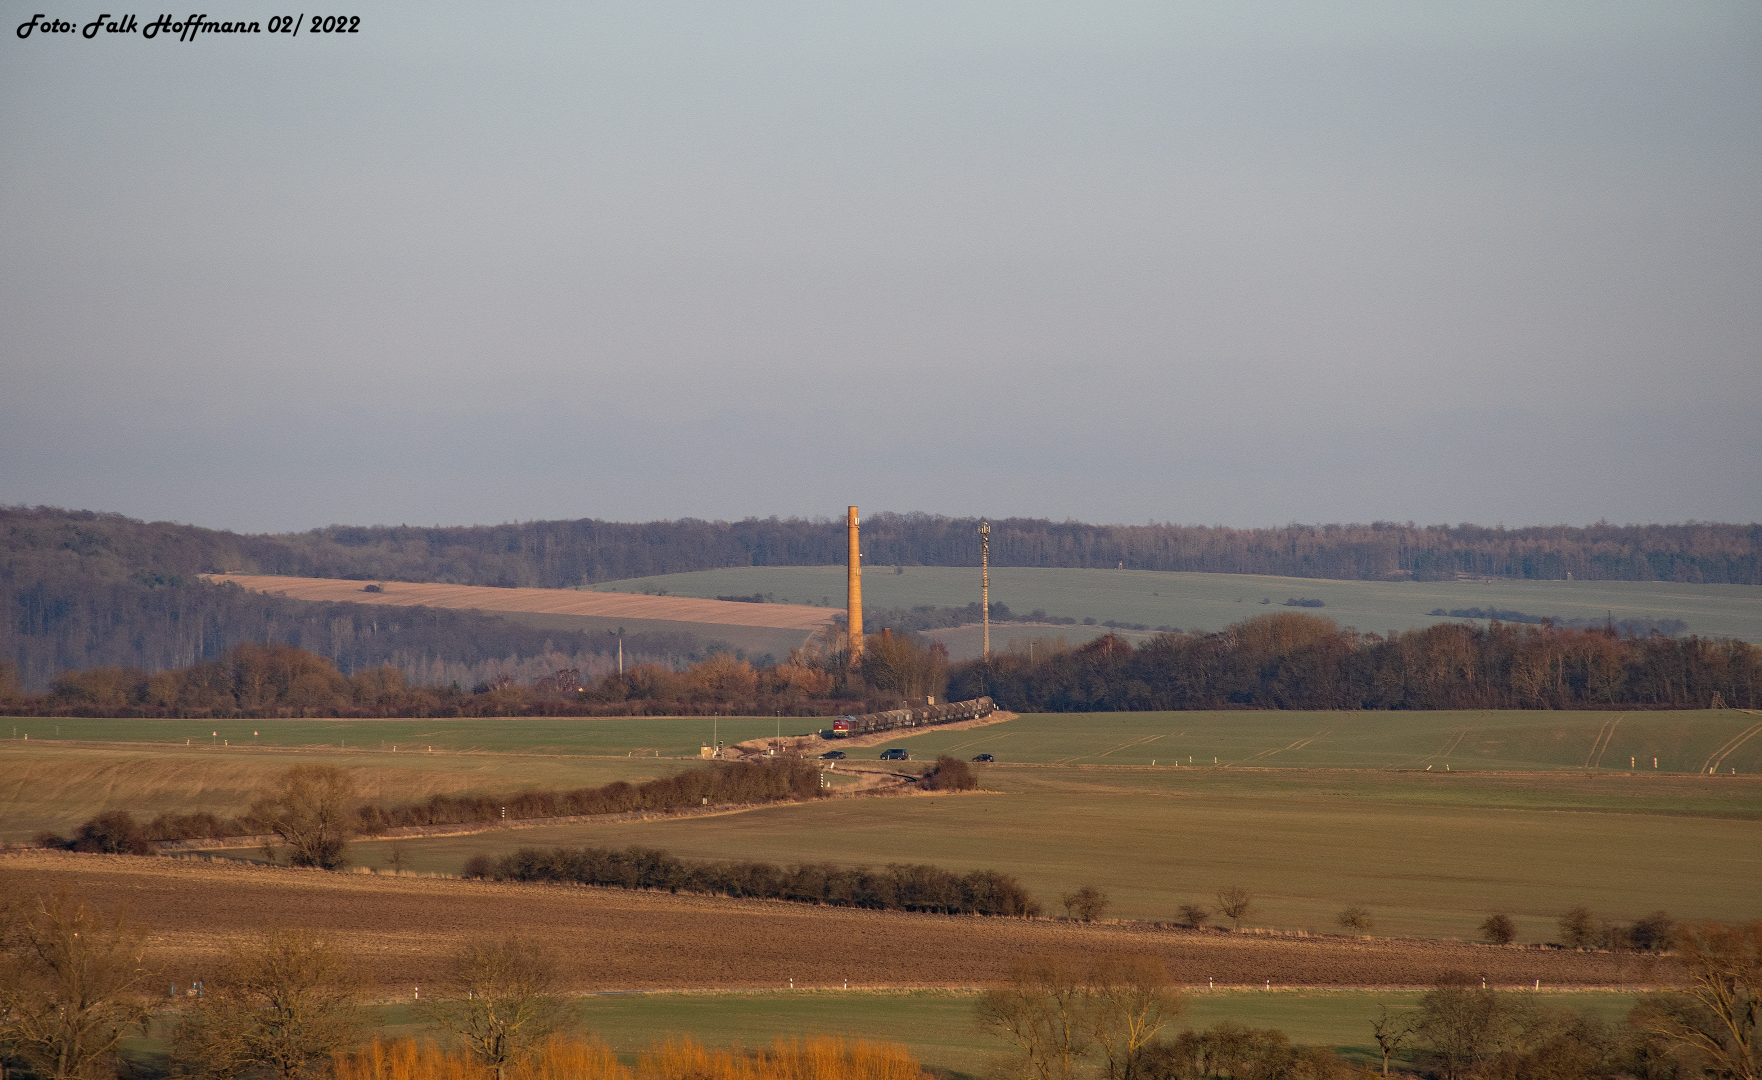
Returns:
(403, 928)
(541, 601)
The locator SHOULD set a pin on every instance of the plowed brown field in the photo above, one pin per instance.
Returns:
(404, 928)
(540, 601)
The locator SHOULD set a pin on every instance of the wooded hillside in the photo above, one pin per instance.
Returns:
(80, 589)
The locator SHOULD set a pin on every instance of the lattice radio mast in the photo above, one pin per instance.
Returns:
(985, 581)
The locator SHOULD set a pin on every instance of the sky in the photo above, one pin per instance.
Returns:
(1237, 264)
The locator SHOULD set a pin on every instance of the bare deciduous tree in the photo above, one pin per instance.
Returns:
(1390, 1032)
(1578, 928)
(1129, 1002)
(1464, 1026)
(1235, 902)
(1193, 915)
(284, 1005)
(71, 992)
(1716, 1018)
(502, 998)
(311, 813)
(1087, 903)
(1042, 1010)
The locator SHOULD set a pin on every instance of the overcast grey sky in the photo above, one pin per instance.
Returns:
(1208, 263)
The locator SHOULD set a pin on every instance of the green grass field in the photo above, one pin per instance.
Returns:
(936, 1025)
(1213, 601)
(56, 786)
(1312, 811)
(1609, 742)
(618, 736)
(1424, 865)
(1484, 739)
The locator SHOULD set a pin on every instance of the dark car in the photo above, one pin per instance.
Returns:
(898, 753)
(833, 755)
(984, 757)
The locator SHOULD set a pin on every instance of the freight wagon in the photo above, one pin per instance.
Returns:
(921, 716)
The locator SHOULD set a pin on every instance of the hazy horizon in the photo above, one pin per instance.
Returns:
(1258, 264)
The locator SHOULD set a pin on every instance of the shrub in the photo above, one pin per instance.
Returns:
(1578, 928)
(114, 832)
(1354, 918)
(950, 774)
(1194, 915)
(1499, 929)
(1087, 903)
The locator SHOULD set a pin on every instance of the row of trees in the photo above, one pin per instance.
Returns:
(314, 811)
(275, 680)
(253, 680)
(290, 1005)
(1283, 660)
(1288, 660)
(896, 887)
(1470, 1032)
(1064, 1018)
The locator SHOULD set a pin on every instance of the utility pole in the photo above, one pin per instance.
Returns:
(985, 581)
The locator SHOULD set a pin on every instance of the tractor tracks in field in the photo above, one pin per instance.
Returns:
(1726, 749)
(1600, 745)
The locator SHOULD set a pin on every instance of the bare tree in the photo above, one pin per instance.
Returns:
(1087, 903)
(1130, 1001)
(71, 991)
(1235, 903)
(1464, 1025)
(1354, 918)
(1390, 1032)
(1193, 915)
(502, 999)
(1499, 929)
(1578, 928)
(311, 811)
(1716, 1018)
(1043, 1011)
(397, 856)
(283, 1006)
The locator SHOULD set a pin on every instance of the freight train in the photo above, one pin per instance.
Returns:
(921, 716)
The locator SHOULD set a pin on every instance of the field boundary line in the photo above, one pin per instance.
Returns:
(1718, 756)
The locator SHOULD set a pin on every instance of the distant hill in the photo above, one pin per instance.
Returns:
(79, 588)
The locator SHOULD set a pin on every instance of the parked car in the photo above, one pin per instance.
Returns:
(984, 757)
(897, 753)
(833, 755)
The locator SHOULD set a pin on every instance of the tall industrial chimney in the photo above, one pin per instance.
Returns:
(854, 589)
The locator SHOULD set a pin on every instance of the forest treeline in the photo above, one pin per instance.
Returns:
(80, 589)
(275, 680)
(1281, 660)
(1289, 660)
(896, 887)
(563, 554)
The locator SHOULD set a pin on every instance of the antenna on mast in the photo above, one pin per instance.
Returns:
(985, 581)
